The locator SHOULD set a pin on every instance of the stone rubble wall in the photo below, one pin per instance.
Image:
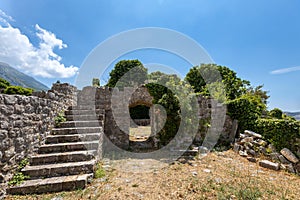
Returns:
(26, 121)
(251, 146)
(115, 102)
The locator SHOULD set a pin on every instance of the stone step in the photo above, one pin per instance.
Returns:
(84, 112)
(74, 156)
(55, 184)
(84, 117)
(76, 130)
(54, 139)
(66, 147)
(71, 124)
(86, 107)
(60, 169)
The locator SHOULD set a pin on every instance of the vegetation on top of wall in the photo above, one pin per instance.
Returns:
(234, 86)
(127, 73)
(96, 82)
(18, 90)
(4, 83)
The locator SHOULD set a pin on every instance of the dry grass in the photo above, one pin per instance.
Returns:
(220, 175)
(142, 132)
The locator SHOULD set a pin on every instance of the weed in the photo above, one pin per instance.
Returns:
(59, 118)
(100, 172)
(17, 179)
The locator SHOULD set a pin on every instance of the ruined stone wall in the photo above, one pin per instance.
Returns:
(25, 121)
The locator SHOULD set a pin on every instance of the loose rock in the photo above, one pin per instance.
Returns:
(269, 165)
(289, 155)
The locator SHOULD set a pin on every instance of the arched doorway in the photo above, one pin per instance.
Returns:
(140, 133)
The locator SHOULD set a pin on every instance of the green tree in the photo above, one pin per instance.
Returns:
(276, 113)
(4, 83)
(234, 86)
(127, 73)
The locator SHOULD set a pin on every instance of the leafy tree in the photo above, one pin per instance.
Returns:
(257, 91)
(234, 86)
(18, 90)
(276, 113)
(128, 73)
(96, 82)
(4, 83)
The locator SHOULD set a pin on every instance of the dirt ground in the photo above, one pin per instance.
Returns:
(219, 175)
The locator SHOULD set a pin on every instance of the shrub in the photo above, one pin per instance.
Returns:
(4, 83)
(18, 90)
(276, 113)
(246, 111)
(280, 132)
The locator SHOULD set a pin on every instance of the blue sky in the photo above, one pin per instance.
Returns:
(255, 38)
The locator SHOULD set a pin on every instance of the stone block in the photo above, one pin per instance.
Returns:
(269, 165)
(289, 155)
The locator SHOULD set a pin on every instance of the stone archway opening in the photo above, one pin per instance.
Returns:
(141, 135)
(140, 123)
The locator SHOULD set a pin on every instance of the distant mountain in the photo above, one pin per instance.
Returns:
(296, 115)
(15, 77)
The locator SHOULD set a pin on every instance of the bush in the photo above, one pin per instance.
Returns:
(280, 132)
(276, 113)
(246, 111)
(4, 83)
(18, 90)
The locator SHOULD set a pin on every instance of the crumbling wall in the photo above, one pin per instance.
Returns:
(25, 121)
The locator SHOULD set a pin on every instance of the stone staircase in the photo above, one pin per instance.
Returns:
(67, 159)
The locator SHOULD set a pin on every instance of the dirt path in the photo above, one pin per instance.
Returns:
(220, 175)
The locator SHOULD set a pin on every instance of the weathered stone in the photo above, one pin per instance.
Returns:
(252, 134)
(1, 155)
(251, 152)
(10, 152)
(275, 156)
(283, 160)
(251, 159)
(263, 150)
(290, 168)
(19, 109)
(243, 153)
(269, 165)
(246, 140)
(297, 168)
(10, 99)
(4, 125)
(3, 134)
(236, 147)
(289, 155)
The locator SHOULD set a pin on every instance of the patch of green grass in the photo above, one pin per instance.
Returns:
(100, 172)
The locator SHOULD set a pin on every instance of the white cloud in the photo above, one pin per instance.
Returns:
(4, 18)
(17, 50)
(285, 70)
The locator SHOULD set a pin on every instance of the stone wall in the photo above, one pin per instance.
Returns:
(26, 121)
